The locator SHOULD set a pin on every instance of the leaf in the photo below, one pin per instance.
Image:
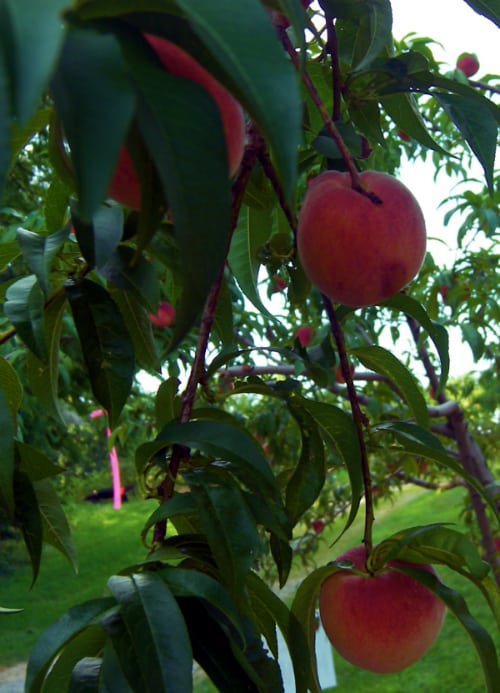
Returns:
(88, 643)
(180, 504)
(382, 361)
(106, 344)
(308, 476)
(226, 442)
(422, 443)
(39, 252)
(191, 583)
(34, 463)
(477, 125)
(223, 320)
(43, 376)
(157, 630)
(24, 302)
(12, 389)
(6, 450)
(56, 204)
(167, 402)
(235, 545)
(5, 611)
(436, 332)
(57, 635)
(113, 676)
(403, 110)
(338, 430)
(303, 626)
(479, 636)
(375, 33)
(5, 115)
(174, 117)
(56, 531)
(134, 273)
(252, 232)
(99, 237)
(27, 514)
(431, 544)
(282, 554)
(266, 82)
(488, 8)
(37, 34)
(95, 100)
(85, 677)
(139, 328)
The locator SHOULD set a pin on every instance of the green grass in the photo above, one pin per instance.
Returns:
(108, 540)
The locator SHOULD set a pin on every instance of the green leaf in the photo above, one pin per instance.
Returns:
(265, 80)
(6, 451)
(55, 525)
(85, 677)
(422, 443)
(5, 611)
(303, 625)
(374, 34)
(20, 135)
(5, 117)
(134, 273)
(180, 504)
(139, 327)
(43, 376)
(488, 8)
(235, 545)
(436, 332)
(226, 442)
(34, 463)
(24, 302)
(477, 125)
(157, 630)
(57, 635)
(223, 320)
(88, 643)
(174, 117)
(99, 237)
(338, 430)
(113, 676)
(479, 636)
(106, 345)
(56, 204)
(308, 477)
(39, 252)
(12, 389)
(167, 402)
(28, 515)
(95, 100)
(250, 235)
(37, 34)
(431, 544)
(403, 110)
(191, 583)
(382, 361)
(282, 554)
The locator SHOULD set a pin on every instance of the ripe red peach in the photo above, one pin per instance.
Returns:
(356, 251)
(382, 623)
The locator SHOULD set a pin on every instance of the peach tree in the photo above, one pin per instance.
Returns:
(271, 417)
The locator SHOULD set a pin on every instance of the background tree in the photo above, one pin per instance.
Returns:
(258, 432)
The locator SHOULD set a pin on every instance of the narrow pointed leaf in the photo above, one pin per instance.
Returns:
(24, 302)
(382, 361)
(106, 345)
(58, 634)
(157, 630)
(488, 8)
(55, 525)
(6, 454)
(95, 99)
(338, 430)
(403, 110)
(436, 332)
(11, 387)
(374, 34)
(39, 252)
(43, 376)
(135, 274)
(85, 677)
(481, 639)
(139, 327)
(252, 232)
(266, 82)
(99, 237)
(29, 517)
(88, 643)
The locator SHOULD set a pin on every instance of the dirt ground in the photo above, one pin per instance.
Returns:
(12, 678)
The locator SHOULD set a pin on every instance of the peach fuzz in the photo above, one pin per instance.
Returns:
(355, 251)
(382, 623)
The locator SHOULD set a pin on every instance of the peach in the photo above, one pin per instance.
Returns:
(468, 63)
(125, 186)
(356, 251)
(382, 623)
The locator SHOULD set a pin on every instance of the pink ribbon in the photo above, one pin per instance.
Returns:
(114, 463)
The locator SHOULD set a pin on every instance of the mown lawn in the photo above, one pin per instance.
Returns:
(107, 540)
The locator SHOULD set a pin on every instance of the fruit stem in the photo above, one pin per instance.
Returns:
(330, 125)
(360, 421)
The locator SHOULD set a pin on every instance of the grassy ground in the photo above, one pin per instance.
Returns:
(107, 540)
